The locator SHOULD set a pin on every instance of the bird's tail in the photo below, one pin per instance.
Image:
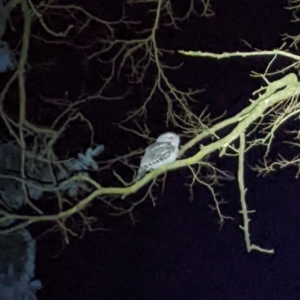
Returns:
(140, 174)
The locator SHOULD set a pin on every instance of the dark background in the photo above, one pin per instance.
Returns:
(177, 250)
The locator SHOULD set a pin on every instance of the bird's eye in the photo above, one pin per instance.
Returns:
(170, 137)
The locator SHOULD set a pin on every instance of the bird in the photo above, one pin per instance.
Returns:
(162, 152)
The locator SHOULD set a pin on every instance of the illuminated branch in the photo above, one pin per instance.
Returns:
(288, 86)
(143, 62)
(245, 212)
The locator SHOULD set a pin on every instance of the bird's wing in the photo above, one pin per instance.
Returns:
(157, 152)
(156, 155)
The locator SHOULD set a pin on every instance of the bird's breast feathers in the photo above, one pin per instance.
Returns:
(159, 154)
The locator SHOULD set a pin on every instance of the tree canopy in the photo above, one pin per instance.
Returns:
(126, 58)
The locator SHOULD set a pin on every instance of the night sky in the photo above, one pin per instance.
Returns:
(176, 250)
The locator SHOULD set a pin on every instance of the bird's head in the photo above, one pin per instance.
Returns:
(169, 137)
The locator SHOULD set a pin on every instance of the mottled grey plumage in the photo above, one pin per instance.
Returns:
(163, 151)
